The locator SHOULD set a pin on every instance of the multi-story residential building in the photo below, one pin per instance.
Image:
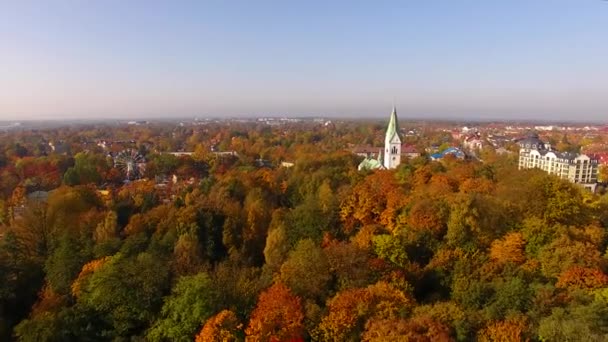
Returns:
(577, 168)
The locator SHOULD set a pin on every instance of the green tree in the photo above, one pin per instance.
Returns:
(587, 322)
(306, 271)
(128, 290)
(65, 262)
(192, 301)
(391, 249)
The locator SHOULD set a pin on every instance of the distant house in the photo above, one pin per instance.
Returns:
(137, 123)
(498, 141)
(180, 154)
(225, 153)
(473, 142)
(602, 158)
(409, 151)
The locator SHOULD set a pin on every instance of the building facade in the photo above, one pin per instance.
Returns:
(577, 168)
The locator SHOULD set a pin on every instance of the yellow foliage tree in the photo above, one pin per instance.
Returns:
(509, 249)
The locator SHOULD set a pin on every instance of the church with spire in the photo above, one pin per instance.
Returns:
(390, 156)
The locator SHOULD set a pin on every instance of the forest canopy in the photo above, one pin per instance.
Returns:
(451, 250)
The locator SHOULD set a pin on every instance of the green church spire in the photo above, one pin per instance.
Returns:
(393, 126)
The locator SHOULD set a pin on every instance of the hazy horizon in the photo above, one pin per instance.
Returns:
(478, 60)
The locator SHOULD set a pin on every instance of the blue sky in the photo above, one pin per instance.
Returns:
(541, 59)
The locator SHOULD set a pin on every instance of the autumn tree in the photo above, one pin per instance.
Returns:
(351, 308)
(350, 264)
(277, 247)
(222, 327)
(277, 317)
(376, 200)
(187, 255)
(509, 249)
(577, 277)
(512, 330)
(420, 329)
(565, 252)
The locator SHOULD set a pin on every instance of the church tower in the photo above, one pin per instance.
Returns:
(392, 143)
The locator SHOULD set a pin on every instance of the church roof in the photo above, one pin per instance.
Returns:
(371, 164)
(393, 126)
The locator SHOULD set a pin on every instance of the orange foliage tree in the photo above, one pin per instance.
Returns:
(509, 249)
(577, 277)
(428, 215)
(277, 317)
(376, 200)
(223, 327)
(421, 329)
(510, 330)
(350, 309)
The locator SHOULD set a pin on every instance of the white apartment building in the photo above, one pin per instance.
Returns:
(577, 168)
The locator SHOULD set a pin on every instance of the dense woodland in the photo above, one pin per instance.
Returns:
(457, 250)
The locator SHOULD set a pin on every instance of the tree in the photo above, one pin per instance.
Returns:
(76, 323)
(108, 229)
(65, 262)
(87, 169)
(576, 323)
(376, 200)
(421, 329)
(257, 211)
(239, 286)
(351, 308)
(602, 174)
(187, 255)
(277, 317)
(87, 270)
(391, 249)
(349, 263)
(577, 277)
(428, 214)
(192, 301)
(513, 329)
(510, 295)
(306, 271)
(276, 249)
(128, 290)
(565, 252)
(509, 249)
(222, 327)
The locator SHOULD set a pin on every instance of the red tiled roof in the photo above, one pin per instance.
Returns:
(407, 148)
